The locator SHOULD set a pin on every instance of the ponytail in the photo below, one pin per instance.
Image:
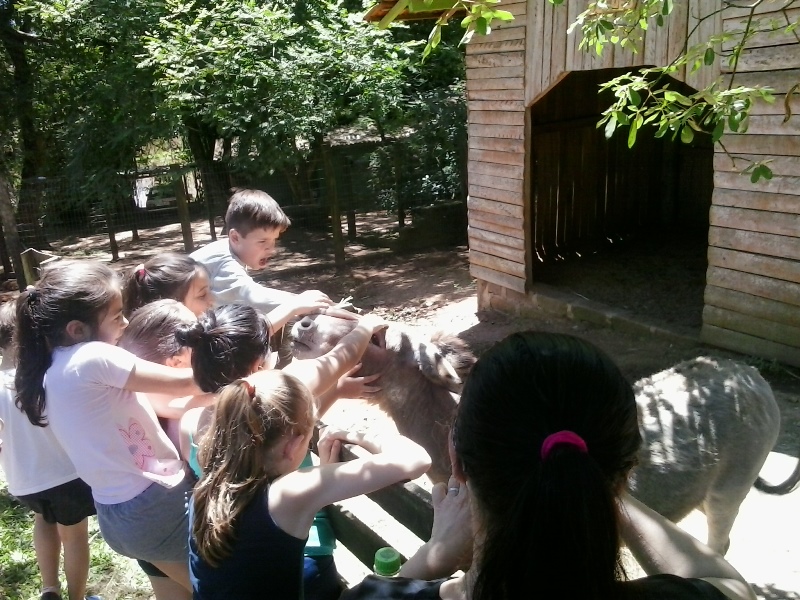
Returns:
(78, 290)
(167, 275)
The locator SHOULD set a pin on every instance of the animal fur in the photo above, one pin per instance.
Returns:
(707, 424)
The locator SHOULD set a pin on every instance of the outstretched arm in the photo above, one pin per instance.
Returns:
(660, 546)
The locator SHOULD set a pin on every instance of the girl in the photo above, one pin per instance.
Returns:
(543, 441)
(253, 508)
(72, 377)
(168, 275)
(42, 477)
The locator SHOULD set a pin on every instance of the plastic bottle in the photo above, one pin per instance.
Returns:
(387, 562)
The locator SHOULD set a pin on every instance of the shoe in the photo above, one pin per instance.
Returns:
(50, 596)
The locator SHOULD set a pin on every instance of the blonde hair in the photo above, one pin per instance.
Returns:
(236, 453)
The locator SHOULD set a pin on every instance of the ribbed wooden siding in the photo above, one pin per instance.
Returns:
(552, 53)
(495, 94)
(753, 285)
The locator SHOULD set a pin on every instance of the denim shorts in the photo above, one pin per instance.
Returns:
(153, 526)
(66, 504)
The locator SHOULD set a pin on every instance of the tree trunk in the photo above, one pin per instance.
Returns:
(31, 145)
(10, 231)
(214, 176)
(333, 204)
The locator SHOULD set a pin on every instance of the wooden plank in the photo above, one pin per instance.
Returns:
(777, 185)
(765, 35)
(770, 58)
(761, 308)
(497, 250)
(496, 105)
(780, 81)
(502, 224)
(495, 194)
(533, 60)
(508, 45)
(756, 285)
(755, 220)
(494, 72)
(761, 144)
(779, 106)
(493, 156)
(558, 50)
(504, 83)
(545, 46)
(515, 132)
(780, 165)
(780, 203)
(773, 125)
(502, 183)
(496, 208)
(517, 94)
(507, 241)
(497, 36)
(749, 345)
(758, 8)
(495, 263)
(749, 325)
(512, 146)
(495, 169)
(767, 266)
(497, 117)
(503, 59)
(760, 243)
(502, 279)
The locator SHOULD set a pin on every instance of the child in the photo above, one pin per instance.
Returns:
(71, 376)
(168, 275)
(255, 221)
(42, 477)
(231, 342)
(252, 508)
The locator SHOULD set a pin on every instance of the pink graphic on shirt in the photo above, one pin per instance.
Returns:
(138, 444)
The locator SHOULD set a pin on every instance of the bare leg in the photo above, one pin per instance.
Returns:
(165, 588)
(47, 545)
(177, 571)
(76, 557)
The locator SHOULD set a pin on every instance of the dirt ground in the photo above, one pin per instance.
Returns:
(662, 282)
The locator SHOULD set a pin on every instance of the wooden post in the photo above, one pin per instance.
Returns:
(335, 212)
(10, 231)
(183, 214)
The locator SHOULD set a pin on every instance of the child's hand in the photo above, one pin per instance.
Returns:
(373, 322)
(356, 387)
(451, 536)
(329, 446)
(311, 301)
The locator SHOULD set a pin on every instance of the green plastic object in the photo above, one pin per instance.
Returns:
(387, 561)
(321, 539)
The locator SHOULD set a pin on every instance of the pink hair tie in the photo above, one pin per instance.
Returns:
(140, 272)
(562, 437)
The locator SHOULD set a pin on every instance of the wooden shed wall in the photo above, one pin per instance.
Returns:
(752, 298)
(753, 291)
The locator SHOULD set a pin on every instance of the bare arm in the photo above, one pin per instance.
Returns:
(150, 377)
(660, 546)
(173, 408)
(308, 302)
(320, 374)
(295, 498)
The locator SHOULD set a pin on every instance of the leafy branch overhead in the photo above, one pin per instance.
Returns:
(648, 97)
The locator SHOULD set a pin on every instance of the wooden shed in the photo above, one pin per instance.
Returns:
(543, 180)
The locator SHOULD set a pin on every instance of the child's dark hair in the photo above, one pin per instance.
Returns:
(77, 290)
(234, 453)
(254, 209)
(8, 324)
(523, 389)
(167, 275)
(150, 334)
(227, 342)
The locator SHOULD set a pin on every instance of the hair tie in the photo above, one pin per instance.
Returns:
(562, 437)
(250, 388)
(33, 295)
(140, 271)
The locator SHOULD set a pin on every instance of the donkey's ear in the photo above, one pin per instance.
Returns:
(434, 365)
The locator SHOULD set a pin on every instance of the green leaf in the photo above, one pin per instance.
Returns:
(634, 96)
(503, 15)
(709, 56)
(611, 126)
(687, 135)
(716, 135)
(632, 134)
(667, 7)
(660, 20)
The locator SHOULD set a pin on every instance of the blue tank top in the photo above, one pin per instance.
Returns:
(265, 561)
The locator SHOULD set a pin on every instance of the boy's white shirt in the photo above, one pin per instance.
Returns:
(31, 457)
(111, 434)
(231, 283)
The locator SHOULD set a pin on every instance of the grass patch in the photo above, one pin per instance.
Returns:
(111, 576)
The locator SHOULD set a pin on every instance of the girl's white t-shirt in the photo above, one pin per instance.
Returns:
(30, 456)
(111, 434)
